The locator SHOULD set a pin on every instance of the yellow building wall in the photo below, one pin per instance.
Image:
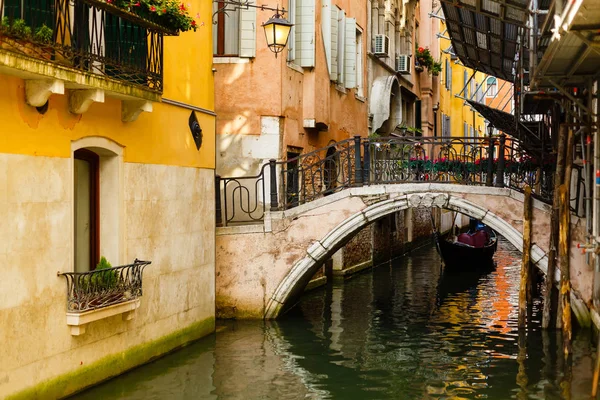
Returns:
(459, 111)
(163, 211)
(159, 137)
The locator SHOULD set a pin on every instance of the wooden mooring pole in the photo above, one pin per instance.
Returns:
(524, 289)
(564, 234)
(558, 177)
(563, 256)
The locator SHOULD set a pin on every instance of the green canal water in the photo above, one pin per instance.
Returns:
(400, 331)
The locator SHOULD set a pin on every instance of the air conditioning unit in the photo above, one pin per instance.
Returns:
(382, 46)
(403, 64)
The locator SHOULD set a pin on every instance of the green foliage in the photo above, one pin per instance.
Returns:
(374, 135)
(410, 130)
(104, 279)
(5, 24)
(20, 28)
(171, 14)
(436, 68)
(43, 34)
(425, 59)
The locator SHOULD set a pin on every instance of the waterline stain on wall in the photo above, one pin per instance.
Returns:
(116, 364)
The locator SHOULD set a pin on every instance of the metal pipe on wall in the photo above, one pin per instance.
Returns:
(596, 203)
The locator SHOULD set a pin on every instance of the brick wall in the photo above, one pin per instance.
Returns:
(358, 250)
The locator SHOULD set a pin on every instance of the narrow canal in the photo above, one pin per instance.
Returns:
(399, 331)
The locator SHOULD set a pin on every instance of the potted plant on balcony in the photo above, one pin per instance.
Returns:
(43, 37)
(424, 59)
(171, 15)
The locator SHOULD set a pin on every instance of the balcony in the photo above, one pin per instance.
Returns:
(82, 44)
(103, 293)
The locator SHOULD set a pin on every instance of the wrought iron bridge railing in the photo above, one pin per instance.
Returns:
(358, 161)
(104, 287)
(91, 36)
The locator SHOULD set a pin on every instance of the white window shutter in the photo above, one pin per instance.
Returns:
(305, 33)
(326, 30)
(248, 32)
(341, 36)
(350, 54)
(333, 74)
(291, 55)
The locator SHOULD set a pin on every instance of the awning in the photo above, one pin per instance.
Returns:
(571, 57)
(528, 134)
(486, 34)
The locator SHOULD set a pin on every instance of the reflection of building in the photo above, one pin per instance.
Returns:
(97, 159)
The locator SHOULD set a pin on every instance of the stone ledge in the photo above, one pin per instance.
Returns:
(354, 269)
(78, 321)
(240, 229)
(30, 68)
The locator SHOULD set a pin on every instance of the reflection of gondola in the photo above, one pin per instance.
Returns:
(469, 250)
(453, 281)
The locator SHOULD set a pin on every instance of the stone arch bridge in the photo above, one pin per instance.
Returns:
(263, 268)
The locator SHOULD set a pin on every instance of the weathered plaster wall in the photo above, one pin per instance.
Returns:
(163, 206)
(260, 263)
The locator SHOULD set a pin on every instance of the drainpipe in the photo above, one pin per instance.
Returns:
(596, 206)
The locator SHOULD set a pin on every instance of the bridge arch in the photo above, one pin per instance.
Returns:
(294, 282)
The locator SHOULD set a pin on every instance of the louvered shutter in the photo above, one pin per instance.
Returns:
(341, 23)
(350, 54)
(248, 32)
(334, 44)
(326, 31)
(305, 33)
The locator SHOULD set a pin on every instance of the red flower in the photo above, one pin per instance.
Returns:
(193, 23)
(164, 10)
(421, 50)
(182, 7)
(137, 4)
(152, 8)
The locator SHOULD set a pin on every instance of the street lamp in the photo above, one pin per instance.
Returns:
(490, 129)
(277, 28)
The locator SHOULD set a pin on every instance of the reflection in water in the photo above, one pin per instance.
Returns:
(405, 330)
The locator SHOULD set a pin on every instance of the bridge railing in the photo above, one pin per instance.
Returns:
(281, 185)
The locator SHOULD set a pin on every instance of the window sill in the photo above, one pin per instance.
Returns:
(362, 99)
(78, 321)
(230, 60)
(340, 89)
(295, 67)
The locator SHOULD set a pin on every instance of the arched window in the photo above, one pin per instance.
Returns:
(97, 202)
(492, 87)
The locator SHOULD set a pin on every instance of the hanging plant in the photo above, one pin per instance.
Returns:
(424, 59)
(170, 14)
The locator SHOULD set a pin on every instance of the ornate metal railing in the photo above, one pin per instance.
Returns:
(86, 35)
(104, 287)
(361, 161)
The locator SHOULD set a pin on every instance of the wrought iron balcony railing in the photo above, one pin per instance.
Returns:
(361, 161)
(104, 287)
(88, 36)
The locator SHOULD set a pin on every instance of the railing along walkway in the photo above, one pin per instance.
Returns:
(358, 161)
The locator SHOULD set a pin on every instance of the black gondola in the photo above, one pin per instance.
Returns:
(460, 255)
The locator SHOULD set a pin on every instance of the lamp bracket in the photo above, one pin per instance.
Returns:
(232, 5)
